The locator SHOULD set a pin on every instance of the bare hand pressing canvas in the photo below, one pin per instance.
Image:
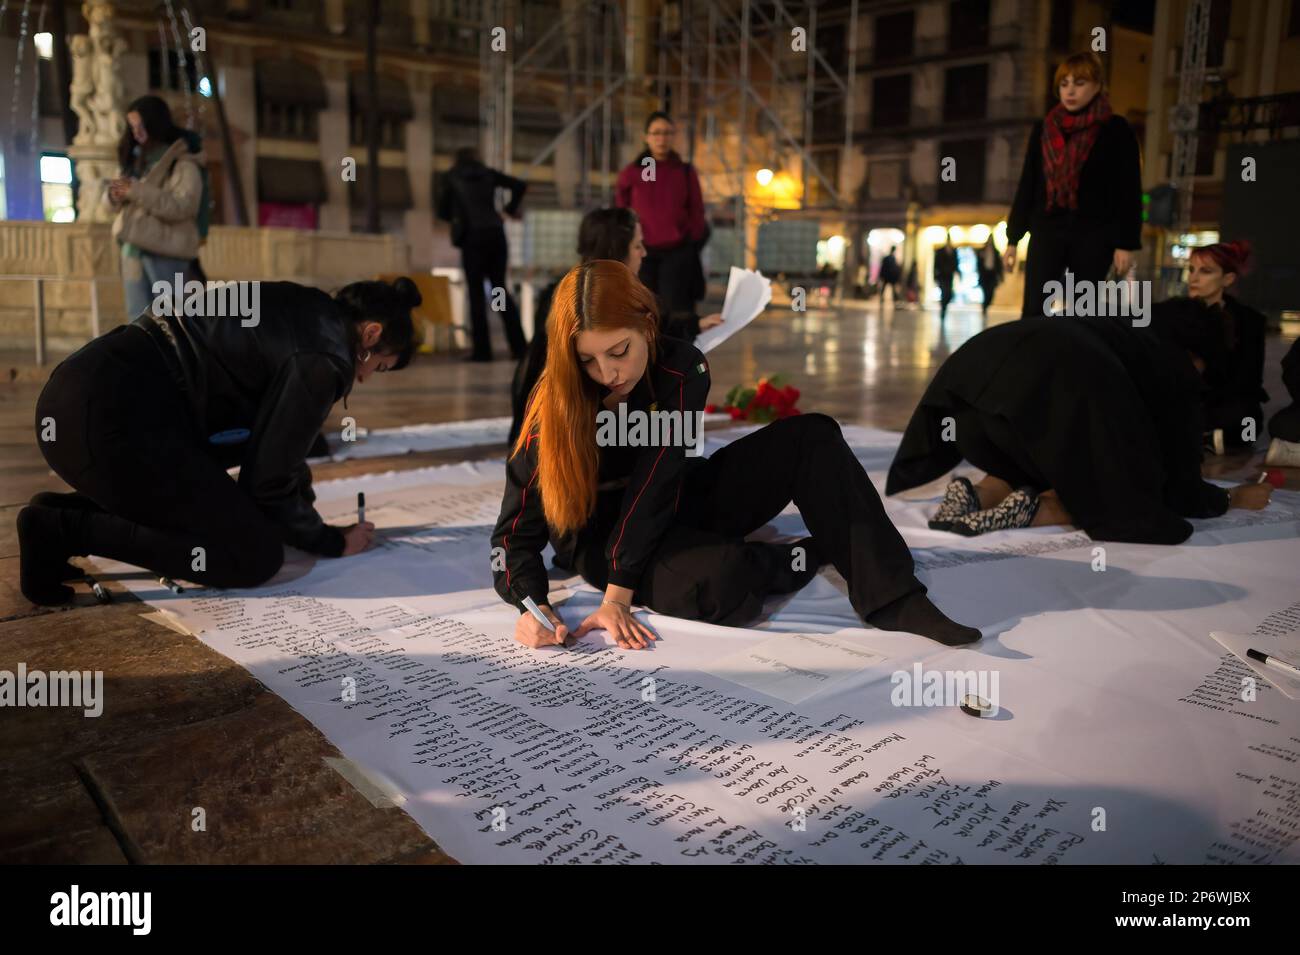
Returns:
(748, 293)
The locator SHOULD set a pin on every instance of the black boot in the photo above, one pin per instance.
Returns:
(916, 613)
(44, 557)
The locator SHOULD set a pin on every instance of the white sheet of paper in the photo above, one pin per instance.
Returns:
(796, 666)
(1107, 682)
(748, 293)
(1240, 643)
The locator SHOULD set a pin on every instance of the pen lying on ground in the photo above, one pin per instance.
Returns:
(102, 595)
(1274, 662)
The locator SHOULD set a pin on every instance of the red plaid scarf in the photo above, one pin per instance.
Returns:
(1067, 141)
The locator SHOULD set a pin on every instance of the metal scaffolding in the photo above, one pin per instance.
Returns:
(732, 73)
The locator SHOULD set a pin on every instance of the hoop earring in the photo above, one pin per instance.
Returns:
(364, 358)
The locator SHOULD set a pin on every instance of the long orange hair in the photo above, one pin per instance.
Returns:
(598, 295)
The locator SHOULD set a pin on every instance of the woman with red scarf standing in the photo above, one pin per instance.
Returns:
(1080, 193)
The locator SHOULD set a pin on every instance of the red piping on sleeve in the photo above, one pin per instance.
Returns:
(523, 502)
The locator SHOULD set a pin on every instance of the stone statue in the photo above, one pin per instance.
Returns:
(108, 100)
(83, 88)
(98, 98)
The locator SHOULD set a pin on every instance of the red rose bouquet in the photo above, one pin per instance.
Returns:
(770, 399)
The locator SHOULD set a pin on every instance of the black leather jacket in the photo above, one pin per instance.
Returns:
(468, 198)
(276, 380)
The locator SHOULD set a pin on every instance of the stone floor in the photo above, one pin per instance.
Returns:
(184, 728)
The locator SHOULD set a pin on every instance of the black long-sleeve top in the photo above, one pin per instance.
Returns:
(275, 381)
(467, 198)
(1240, 383)
(1110, 188)
(677, 380)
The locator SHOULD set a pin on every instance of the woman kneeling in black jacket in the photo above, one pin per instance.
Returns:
(144, 421)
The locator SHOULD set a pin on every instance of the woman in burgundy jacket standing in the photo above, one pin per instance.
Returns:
(1080, 193)
(671, 209)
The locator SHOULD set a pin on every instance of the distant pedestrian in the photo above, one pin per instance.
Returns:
(945, 271)
(890, 274)
(468, 201)
(989, 266)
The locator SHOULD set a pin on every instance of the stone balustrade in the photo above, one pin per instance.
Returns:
(70, 258)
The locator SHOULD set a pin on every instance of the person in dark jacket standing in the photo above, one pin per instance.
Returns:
(665, 194)
(630, 509)
(143, 422)
(945, 272)
(988, 264)
(1080, 192)
(890, 275)
(1235, 395)
(603, 234)
(468, 201)
(1088, 422)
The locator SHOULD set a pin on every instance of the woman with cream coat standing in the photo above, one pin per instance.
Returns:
(157, 198)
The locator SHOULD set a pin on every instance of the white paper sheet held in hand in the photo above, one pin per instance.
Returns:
(748, 293)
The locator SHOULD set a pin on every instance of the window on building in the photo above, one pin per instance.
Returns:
(828, 161)
(1217, 41)
(56, 188)
(966, 92)
(1058, 33)
(885, 179)
(392, 131)
(895, 33)
(393, 109)
(287, 121)
(967, 183)
(830, 43)
(968, 24)
(891, 101)
(165, 71)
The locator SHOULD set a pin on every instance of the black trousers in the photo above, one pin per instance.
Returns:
(671, 275)
(483, 256)
(945, 295)
(1085, 252)
(992, 445)
(988, 288)
(705, 570)
(124, 438)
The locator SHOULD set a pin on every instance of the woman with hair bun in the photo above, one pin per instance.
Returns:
(145, 420)
(1080, 192)
(1235, 395)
